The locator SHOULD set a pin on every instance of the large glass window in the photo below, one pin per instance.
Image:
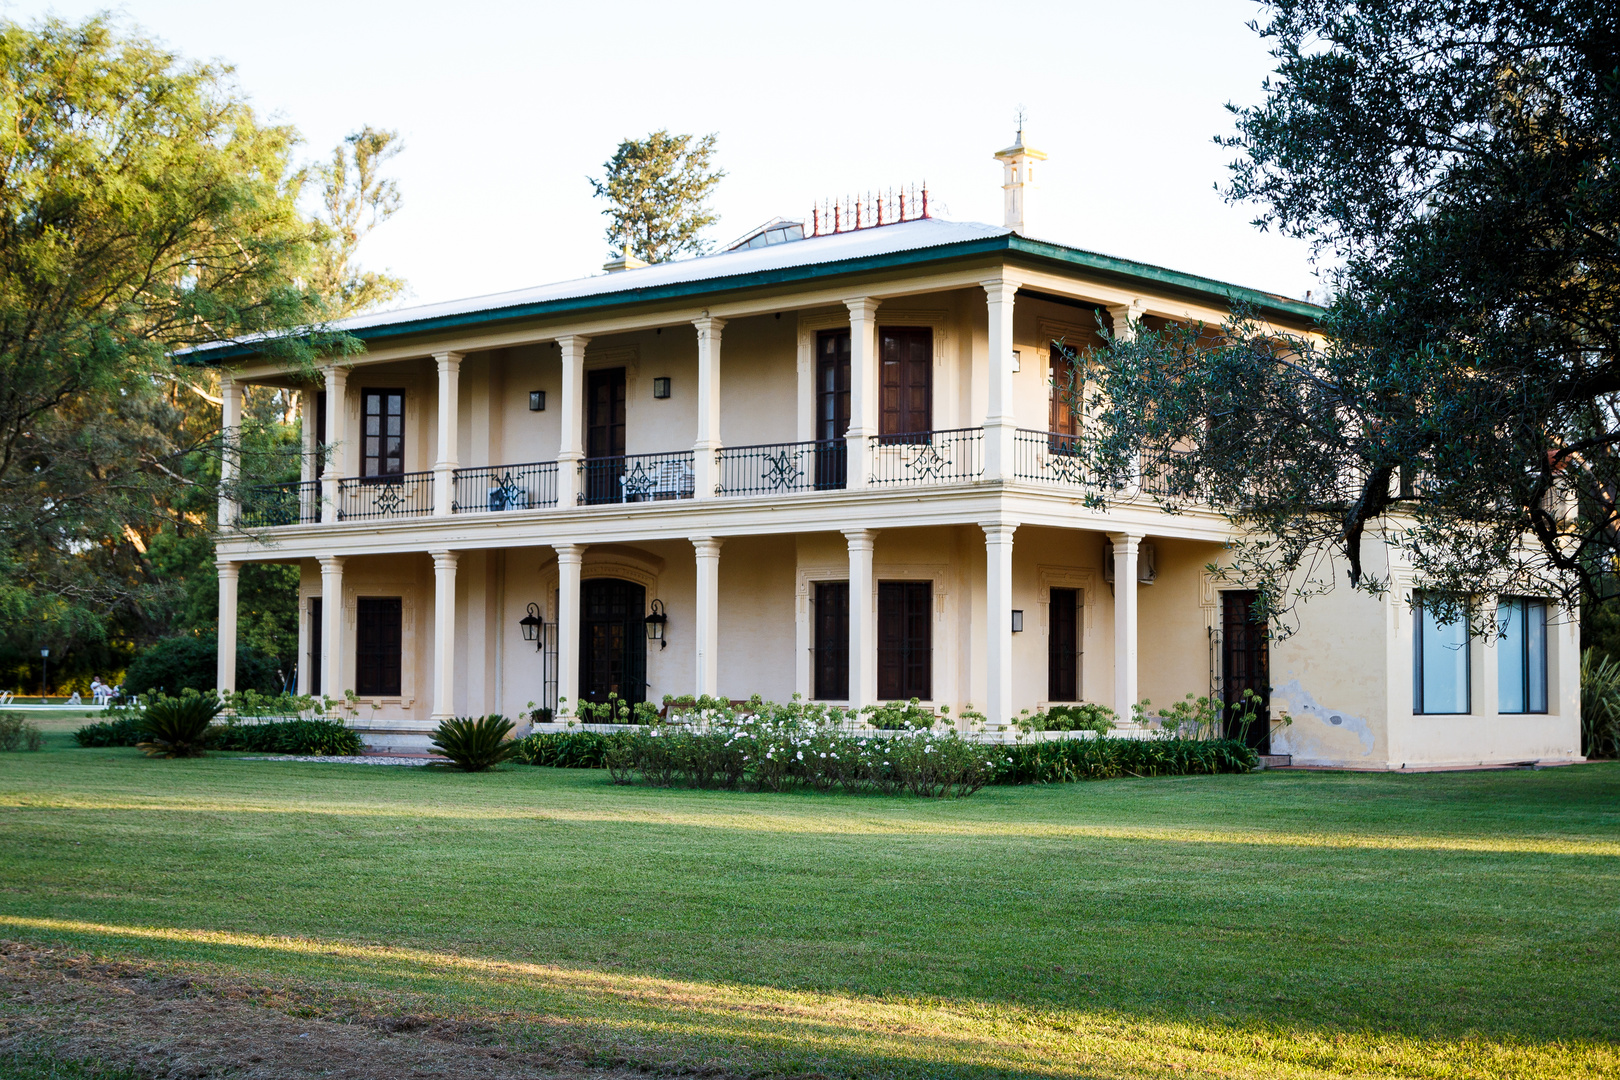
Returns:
(1521, 667)
(1440, 661)
(383, 440)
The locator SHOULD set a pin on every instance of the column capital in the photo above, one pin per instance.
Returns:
(228, 567)
(862, 306)
(1127, 540)
(570, 553)
(336, 373)
(448, 361)
(1001, 287)
(573, 341)
(709, 324)
(1126, 316)
(998, 530)
(332, 564)
(445, 560)
(860, 539)
(708, 545)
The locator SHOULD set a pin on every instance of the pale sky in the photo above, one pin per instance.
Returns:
(505, 108)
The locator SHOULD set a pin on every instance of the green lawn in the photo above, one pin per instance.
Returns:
(1282, 924)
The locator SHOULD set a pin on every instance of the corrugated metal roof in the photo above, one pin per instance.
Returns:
(883, 240)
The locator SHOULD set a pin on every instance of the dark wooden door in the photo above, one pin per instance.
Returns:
(315, 631)
(378, 626)
(905, 640)
(832, 641)
(906, 380)
(1245, 665)
(832, 408)
(604, 434)
(1063, 646)
(613, 640)
(320, 436)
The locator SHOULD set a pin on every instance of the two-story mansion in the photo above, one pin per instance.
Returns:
(827, 461)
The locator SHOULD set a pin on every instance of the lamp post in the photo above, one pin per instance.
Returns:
(44, 675)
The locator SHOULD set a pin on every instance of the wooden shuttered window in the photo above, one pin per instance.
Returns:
(377, 644)
(1063, 646)
(382, 420)
(905, 380)
(832, 641)
(1065, 419)
(905, 640)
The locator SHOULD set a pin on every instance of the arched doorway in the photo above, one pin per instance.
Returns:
(612, 640)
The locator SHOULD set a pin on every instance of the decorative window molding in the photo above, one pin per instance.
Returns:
(406, 591)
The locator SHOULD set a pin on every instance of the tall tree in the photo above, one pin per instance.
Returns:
(657, 190)
(145, 211)
(1453, 160)
(355, 198)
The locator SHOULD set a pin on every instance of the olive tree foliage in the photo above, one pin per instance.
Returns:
(657, 190)
(144, 211)
(1452, 162)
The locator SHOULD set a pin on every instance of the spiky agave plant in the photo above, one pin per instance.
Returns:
(178, 727)
(475, 744)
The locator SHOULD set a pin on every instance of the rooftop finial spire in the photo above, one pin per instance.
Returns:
(1018, 178)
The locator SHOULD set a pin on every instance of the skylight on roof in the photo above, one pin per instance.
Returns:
(774, 231)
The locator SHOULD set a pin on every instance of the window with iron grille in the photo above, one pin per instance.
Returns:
(905, 640)
(377, 645)
(382, 437)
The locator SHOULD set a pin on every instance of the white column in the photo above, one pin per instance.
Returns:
(308, 500)
(332, 622)
(301, 684)
(572, 448)
(998, 552)
(863, 392)
(999, 422)
(706, 473)
(444, 635)
(225, 676)
(230, 462)
(862, 619)
(337, 415)
(569, 558)
(1125, 550)
(444, 468)
(708, 614)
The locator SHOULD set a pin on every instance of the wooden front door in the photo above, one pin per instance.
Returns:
(612, 640)
(832, 408)
(905, 640)
(832, 641)
(604, 434)
(1245, 665)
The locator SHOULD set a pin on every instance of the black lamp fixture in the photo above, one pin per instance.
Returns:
(537, 401)
(656, 622)
(1018, 621)
(661, 387)
(534, 628)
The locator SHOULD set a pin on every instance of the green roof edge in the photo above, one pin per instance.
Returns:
(1012, 244)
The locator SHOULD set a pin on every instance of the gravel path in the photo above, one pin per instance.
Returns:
(362, 759)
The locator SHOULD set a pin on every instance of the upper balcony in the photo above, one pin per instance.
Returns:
(912, 461)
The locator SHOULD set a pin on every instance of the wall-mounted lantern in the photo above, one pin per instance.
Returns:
(537, 401)
(661, 386)
(534, 628)
(1018, 359)
(657, 621)
(1018, 621)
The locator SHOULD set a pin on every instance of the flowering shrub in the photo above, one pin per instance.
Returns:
(1103, 758)
(765, 746)
(1086, 716)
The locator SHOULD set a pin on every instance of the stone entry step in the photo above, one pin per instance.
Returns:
(1276, 761)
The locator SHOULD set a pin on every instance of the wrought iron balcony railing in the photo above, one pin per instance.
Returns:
(266, 506)
(954, 456)
(399, 495)
(637, 478)
(505, 487)
(780, 468)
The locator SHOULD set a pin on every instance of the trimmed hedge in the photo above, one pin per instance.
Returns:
(1056, 762)
(567, 749)
(1102, 758)
(327, 737)
(125, 731)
